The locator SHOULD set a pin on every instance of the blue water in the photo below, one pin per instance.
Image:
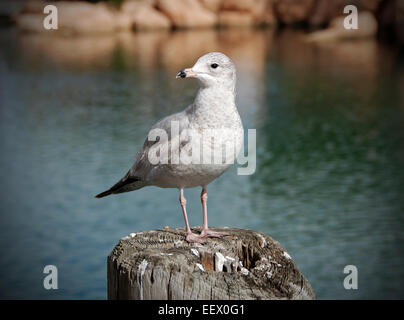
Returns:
(329, 178)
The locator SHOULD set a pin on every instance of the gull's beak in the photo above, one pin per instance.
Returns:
(186, 73)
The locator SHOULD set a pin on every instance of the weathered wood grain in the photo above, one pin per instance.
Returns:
(160, 264)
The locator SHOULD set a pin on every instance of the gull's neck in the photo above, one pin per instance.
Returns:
(215, 104)
(215, 99)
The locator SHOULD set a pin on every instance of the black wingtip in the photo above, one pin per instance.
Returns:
(103, 194)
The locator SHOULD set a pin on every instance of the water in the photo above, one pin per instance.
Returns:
(329, 177)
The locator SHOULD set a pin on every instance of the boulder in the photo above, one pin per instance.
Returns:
(235, 19)
(249, 12)
(30, 22)
(240, 5)
(123, 21)
(369, 5)
(82, 17)
(33, 6)
(73, 17)
(144, 16)
(263, 13)
(324, 10)
(367, 27)
(187, 13)
(293, 11)
(212, 5)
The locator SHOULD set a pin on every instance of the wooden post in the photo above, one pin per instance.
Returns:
(160, 264)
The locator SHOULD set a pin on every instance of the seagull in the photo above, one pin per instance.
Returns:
(213, 111)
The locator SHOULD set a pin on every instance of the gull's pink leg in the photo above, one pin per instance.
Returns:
(206, 233)
(191, 237)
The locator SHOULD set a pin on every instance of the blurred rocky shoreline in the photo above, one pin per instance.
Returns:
(376, 17)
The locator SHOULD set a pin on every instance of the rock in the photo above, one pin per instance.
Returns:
(73, 18)
(324, 10)
(144, 16)
(30, 18)
(30, 22)
(33, 6)
(212, 5)
(240, 5)
(187, 13)
(160, 264)
(293, 11)
(367, 27)
(123, 21)
(263, 13)
(235, 19)
(368, 5)
(83, 17)
(260, 10)
(130, 5)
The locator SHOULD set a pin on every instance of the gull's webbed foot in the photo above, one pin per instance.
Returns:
(206, 233)
(195, 238)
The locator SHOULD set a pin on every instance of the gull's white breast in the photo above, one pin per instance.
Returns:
(216, 130)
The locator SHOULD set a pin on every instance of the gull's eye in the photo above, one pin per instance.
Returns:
(214, 65)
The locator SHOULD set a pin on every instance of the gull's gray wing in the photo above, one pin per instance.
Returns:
(178, 122)
(136, 177)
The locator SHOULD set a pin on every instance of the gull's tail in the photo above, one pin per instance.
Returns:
(126, 184)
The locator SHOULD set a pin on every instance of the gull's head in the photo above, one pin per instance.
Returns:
(212, 69)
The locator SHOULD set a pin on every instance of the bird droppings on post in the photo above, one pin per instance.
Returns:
(219, 261)
(178, 243)
(244, 271)
(236, 267)
(195, 252)
(200, 267)
(142, 269)
(286, 255)
(262, 240)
